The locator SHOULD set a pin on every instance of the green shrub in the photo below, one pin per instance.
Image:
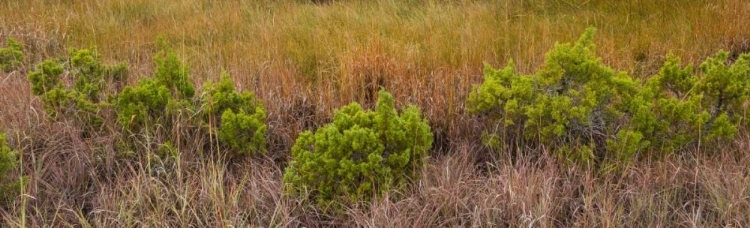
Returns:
(244, 132)
(173, 74)
(582, 111)
(221, 96)
(166, 101)
(142, 105)
(682, 109)
(11, 56)
(92, 77)
(360, 155)
(156, 101)
(725, 89)
(85, 100)
(240, 116)
(58, 101)
(9, 185)
(568, 105)
(46, 77)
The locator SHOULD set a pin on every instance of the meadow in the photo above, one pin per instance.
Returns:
(306, 59)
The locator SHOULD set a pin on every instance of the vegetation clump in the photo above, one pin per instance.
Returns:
(168, 100)
(11, 56)
(360, 155)
(158, 100)
(586, 113)
(680, 109)
(569, 105)
(9, 185)
(83, 89)
(85, 99)
(240, 116)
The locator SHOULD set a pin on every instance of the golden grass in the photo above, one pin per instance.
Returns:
(304, 60)
(425, 52)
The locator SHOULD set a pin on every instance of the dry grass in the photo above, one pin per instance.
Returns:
(304, 60)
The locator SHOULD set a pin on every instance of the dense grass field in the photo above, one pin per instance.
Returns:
(306, 59)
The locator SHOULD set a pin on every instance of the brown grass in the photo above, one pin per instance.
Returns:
(304, 60)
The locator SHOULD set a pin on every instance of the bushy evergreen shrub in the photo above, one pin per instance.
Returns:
(568, 105)
(143, 104)
(583, 111)
(92, 77)
(11, 56)
(9, 185)
(360, 155)
(46, 77)
(155, 101)
(84, 100)
(240, 117)
(173, 74)
(682, 109)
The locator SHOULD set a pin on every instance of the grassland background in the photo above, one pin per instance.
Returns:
(304, 60)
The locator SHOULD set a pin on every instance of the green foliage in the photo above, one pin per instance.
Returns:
(582, 111)
(84, 101)
(625, 146)
(668, 110)
(221, 96)
(564, 105)
(138, 105)
(244, 132)
(360, 155)
(92, 76)
(162, 105)
(682, 109)
(241, 117)
(173, 74)
(11, 56)
(9, 185)
(154, 100)
(46, 77)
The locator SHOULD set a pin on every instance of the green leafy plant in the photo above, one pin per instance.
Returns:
(154, 101)
(11, 56)
(583, 111)
(85, 99)
(141, 105)
(360, 155)
(244, 132)
(568, 105)
(46, 77)
(92, 77)
(9, 184)
(172, 73)
(240, 117)
(679, 108)
(725, 89)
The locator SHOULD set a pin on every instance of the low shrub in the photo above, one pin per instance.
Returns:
(360, 155)
(9, 184)
(239, 117)
(142, 105)
(586, 113)
(87, 97)
(167, 100)
(569, 105)
(11, 56)
(46, 77)
(680, 109)
(92, 93)
(159, 100)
